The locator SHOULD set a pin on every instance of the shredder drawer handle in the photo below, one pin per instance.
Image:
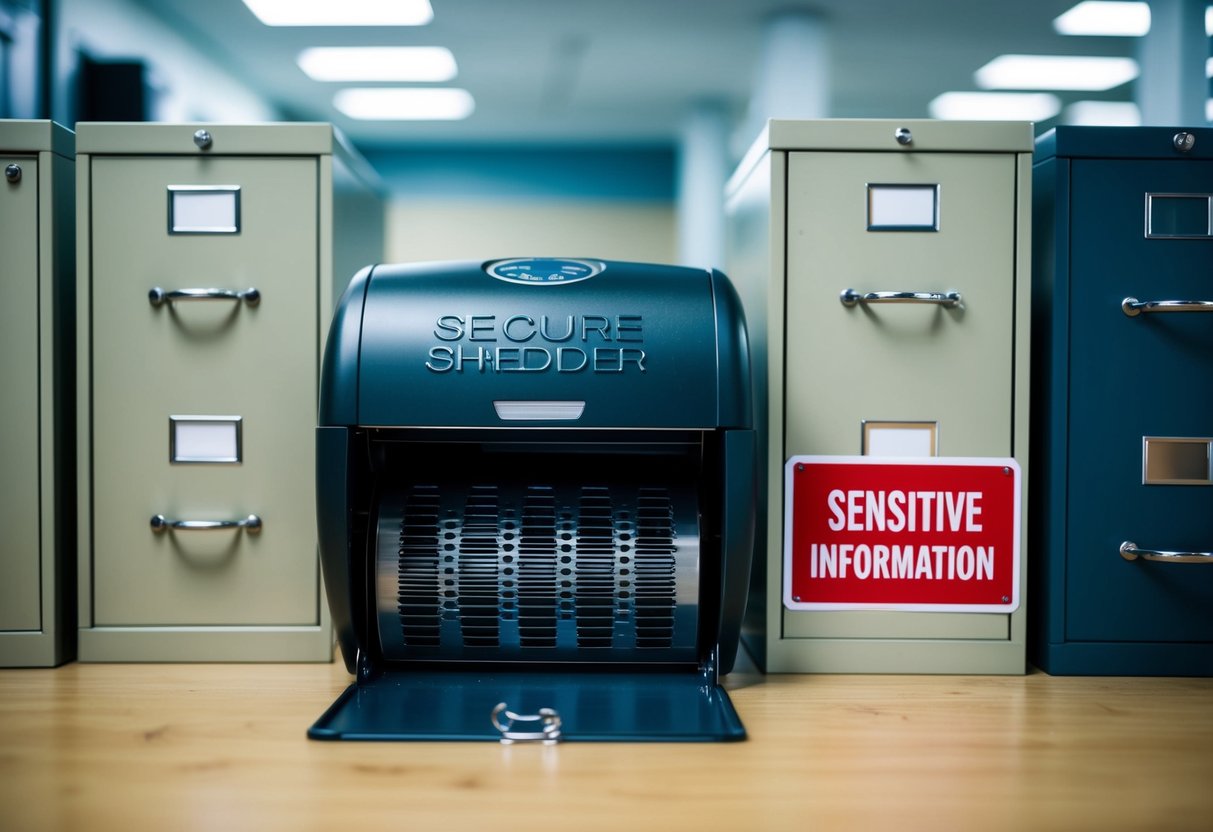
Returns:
(1134, 307)
(160, 523)
(549, 719)
(158, 297)
(948, 300)
(1130, 551)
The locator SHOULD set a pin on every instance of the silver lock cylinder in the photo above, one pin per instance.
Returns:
(903, 135)
(1184, 141)
(203, 139)
(13, 173)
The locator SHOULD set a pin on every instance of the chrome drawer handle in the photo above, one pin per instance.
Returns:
(160, 523)
(1129, 551)
(1134, 307)
(549, 733)
(947, 300)
(158, 297)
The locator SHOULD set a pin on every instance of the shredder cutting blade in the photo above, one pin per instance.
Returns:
(538, 571)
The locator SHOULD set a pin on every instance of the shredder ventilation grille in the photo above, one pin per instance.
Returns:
(538, 572)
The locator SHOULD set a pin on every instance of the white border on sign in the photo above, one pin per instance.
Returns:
(976, 461)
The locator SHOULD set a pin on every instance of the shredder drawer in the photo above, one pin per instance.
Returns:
(594, 705)
(215, 358)
(899, 362)
(1132, 377)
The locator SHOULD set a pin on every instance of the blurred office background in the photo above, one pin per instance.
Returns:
(599, 128)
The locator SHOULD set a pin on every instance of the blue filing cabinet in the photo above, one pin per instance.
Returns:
(1123, 401)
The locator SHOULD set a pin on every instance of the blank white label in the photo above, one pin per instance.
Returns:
(900, 441)
(212, 211)
(203, 440)
(903, 208)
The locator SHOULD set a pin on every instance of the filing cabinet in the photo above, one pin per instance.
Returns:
(884, 269)
(207, 257)
(1123, 364)
(37, 556)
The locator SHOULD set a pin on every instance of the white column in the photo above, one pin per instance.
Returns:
(1173, 87)
(702, 169)
(792, 78)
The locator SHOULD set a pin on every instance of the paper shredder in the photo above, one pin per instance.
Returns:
(535, 485)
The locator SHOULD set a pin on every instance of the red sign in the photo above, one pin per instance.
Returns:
(937, 534)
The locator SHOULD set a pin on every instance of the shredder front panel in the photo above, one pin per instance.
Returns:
(20, 549)
(1131, 377)
(221, 358)
(899, 363)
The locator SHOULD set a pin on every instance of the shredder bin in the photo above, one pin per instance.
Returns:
(883, 266)
(1123, 423)
(207, 253)
(37, 305)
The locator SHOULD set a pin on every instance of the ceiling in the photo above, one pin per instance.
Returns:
(631, 71)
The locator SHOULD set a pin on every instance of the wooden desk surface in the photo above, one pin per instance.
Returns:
(184, 747)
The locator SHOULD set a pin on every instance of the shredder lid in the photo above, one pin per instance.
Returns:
(668, 706)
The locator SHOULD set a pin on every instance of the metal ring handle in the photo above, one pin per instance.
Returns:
(1134, 307)
(549, 733)
(1130, 551)
(160, 523)
(158, 297)
(947, 300)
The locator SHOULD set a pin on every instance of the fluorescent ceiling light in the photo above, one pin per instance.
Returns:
(1055, 72)
(1209, 110)
(378, 63)
(995, 106)
(1108, 113)
(1209, 21)
(342, 12)
(1209, 68)
(396, 104)
(1105, 17)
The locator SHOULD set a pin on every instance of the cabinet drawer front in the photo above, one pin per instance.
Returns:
(1132, 377)
(852, 224)
(20, 549)
(224, 357)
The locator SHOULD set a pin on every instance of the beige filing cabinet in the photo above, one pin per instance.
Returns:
(207, 257)
(37, 291)
(929, 208)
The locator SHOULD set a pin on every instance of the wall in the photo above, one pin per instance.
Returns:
(442, 229)
(481, 203)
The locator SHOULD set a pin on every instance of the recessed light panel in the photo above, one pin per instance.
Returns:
(995, 106)
(378, 63)
(414, 104)
(342, 12)
(1103, 113)
(1055, 72)
(1111, 18)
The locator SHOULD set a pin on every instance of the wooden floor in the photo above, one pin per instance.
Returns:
(223, 747)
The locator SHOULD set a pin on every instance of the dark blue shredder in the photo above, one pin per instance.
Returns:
(1122, 438)
(535, 486)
